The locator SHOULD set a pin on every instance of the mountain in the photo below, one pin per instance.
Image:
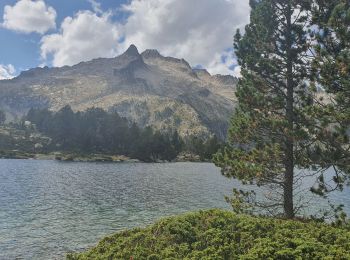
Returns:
(147, 88)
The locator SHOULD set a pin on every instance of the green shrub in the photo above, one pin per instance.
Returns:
(217, 234)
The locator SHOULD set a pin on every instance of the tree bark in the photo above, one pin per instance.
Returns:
(289, 144)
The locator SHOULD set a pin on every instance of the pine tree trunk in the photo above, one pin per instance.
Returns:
(289, 144)
(288, 184)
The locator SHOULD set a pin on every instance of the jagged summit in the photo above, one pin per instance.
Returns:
(226, 79)
(149, 89)
(151, 53)
(132, 51)
(201, 72)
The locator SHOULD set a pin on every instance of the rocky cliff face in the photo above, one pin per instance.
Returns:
(147, 88)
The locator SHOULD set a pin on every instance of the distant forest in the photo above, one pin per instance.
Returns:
(97, 131)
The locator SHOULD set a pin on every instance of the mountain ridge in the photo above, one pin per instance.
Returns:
(147, 88)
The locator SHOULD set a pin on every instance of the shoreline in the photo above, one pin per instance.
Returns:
(72, 157)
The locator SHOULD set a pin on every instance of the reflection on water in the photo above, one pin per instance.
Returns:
(48, 208)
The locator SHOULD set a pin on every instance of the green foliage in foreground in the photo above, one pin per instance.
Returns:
(217, 234)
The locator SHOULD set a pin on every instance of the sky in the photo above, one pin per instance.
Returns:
(55, 33)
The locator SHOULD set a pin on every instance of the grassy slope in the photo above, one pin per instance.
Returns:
(217, 234)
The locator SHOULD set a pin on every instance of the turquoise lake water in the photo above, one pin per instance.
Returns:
(49, 208)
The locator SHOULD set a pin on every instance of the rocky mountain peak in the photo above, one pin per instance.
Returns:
(201, 72)
(132, 51)
(226, 79)
(148, 89)
(151, 53)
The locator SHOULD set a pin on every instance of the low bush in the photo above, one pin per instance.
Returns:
(218, 234)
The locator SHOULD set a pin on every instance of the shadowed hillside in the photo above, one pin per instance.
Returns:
(146, 88)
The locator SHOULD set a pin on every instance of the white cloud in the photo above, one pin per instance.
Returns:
(198, 30)
(225, 63)
(81, 38)
(237, 71)
(96, 6)
(28, 16)
(7, 71)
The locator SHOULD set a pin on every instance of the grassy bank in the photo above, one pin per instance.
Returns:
(217, 234)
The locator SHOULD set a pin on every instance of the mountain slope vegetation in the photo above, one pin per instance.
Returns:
(148, 89)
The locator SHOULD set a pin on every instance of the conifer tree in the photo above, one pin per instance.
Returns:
(269, 134)
(331, 71)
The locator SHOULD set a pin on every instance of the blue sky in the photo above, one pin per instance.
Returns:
(23, 50)
(64, 32)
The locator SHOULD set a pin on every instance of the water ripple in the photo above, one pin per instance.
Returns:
(49, 208)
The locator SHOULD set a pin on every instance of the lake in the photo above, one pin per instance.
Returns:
(49, 208)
